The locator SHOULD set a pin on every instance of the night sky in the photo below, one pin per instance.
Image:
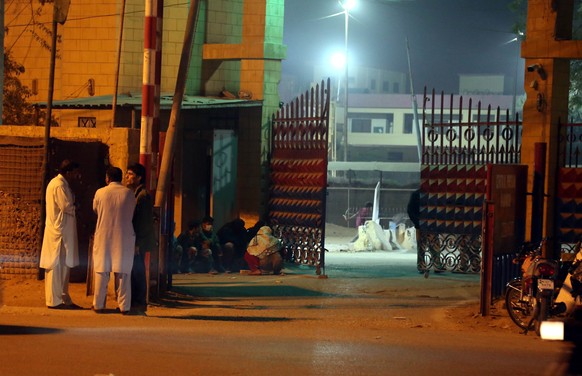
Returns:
(446, 38)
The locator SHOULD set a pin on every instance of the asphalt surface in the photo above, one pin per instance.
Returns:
(371, 314)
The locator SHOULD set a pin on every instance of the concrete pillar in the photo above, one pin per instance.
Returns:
(546, 85)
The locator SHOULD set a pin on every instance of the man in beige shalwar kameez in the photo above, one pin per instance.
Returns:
(113, 245)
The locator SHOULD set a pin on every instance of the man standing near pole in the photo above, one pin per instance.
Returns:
(114, 241)
(143, 224)
(60, 249)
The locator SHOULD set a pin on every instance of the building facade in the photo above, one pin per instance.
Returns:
(231, 91)
(237, 50)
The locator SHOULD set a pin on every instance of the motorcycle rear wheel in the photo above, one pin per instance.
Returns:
(520, 308)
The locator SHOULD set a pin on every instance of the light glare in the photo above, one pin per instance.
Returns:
(338, 60)
(552, 330)
(349, 4)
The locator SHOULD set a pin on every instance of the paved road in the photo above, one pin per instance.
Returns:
(241, 344)
(380, 318)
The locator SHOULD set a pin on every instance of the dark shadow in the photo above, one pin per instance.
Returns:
(215, 291)
(227, 318)
(108, 311)
(21, 330)
(181, 301)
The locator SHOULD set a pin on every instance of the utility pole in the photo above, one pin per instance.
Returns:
(171, 135)
(167, 156)
(152, 61)
(60, 12)
(414, 107)
(346, 84)
(120, 42)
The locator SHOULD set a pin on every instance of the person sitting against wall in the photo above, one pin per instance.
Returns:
(187, 246)
(207, 234)
(263, 254)
(196, 255)
(233, 240)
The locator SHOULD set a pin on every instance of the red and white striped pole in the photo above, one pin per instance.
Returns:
(149, 134)
(157, 94)
(150, 87)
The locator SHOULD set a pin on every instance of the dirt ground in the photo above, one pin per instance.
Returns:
(443, 300)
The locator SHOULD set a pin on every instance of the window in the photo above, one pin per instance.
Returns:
(386, 87)
(373, 84)
(34, 86)
(394, 156)
(396, 87)
(86, 122)
(362, 125)
(408, 123)
(389, 123)
(480, 119)
(378, 129)
(447, 119)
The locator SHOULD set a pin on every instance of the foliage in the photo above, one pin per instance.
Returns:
(17, 110)
(519, 8)
(575, 97)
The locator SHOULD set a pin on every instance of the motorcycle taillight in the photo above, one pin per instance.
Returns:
(546, 270)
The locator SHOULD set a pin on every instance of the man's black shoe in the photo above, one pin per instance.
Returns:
(71, 306)
(60, 306)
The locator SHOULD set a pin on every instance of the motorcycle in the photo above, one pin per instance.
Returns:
(529, 299)
(570, 294)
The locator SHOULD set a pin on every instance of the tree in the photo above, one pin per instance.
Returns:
(17, 110)
(575, 95)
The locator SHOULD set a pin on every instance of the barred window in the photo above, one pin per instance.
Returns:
(86, 122)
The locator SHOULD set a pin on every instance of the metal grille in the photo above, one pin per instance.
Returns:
(458, 143)
(299, 176)
(20, 190)
(486, 136)
(570, 139)
(451, 211)
(569, 196)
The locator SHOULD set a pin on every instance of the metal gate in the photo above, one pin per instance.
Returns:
(458, 144)
(299, 176)
(569, 190)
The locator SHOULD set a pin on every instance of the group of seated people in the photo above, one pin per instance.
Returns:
(232, 248)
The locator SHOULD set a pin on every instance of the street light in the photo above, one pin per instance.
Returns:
(518, 37)
(338, 61)
(347, 6)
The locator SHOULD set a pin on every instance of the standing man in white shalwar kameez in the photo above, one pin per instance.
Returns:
(60, 249)
(113, 245)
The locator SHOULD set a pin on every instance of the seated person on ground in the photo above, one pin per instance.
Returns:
(263, 254)
(203, 261)
(208, 234)
(195, 251)
(233, 239)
